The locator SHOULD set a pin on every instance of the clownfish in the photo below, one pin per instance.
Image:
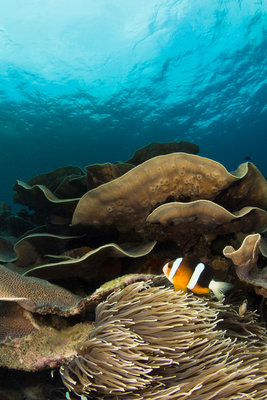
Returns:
(188, 273)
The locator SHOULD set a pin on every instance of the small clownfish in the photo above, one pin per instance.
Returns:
(188, 273)
(243, 308)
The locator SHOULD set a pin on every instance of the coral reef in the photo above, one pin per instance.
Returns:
(4, 208)
(188, 203)
(34, 249)
(42, 331)
(15, 322)
(54, 195)
(92, 234)
(44, 347)
(7, 252)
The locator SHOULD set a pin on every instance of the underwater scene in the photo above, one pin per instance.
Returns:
(133, 199)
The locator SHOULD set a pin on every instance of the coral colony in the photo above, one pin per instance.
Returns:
(83, 292)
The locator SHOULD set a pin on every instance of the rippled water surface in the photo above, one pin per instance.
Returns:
(91, 81)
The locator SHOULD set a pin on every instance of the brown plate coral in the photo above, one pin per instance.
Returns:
(206, 216)
(127, 201)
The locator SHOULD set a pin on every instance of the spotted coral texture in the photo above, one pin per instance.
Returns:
(126, 201)
(36, 294)
(14, 322)
(152, 343)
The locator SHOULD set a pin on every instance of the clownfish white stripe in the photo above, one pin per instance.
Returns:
(174, 267)
(195, 277)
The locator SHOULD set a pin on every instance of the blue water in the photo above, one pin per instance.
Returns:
(90, 81)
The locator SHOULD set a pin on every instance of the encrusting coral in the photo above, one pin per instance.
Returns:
(36, 295)
(15, 322)
(49, 333)
(151, 343)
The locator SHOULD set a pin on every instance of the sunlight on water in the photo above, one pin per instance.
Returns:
(90, 81)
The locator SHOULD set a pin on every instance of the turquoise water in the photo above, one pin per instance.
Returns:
(91, 81)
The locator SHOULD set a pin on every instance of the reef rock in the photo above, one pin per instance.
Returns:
(4, 208)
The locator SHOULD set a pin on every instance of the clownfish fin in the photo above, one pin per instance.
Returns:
(219, 288)
(178, 288)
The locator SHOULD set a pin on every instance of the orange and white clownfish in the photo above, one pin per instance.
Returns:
(189, 273)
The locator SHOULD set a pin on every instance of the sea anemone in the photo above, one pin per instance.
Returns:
(151, 343)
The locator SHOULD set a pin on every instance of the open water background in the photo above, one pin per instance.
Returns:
(88, 81)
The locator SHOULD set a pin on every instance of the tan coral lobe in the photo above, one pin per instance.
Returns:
(205, 216)
(127, 200)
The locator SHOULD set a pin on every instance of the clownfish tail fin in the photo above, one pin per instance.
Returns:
(219, 288)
